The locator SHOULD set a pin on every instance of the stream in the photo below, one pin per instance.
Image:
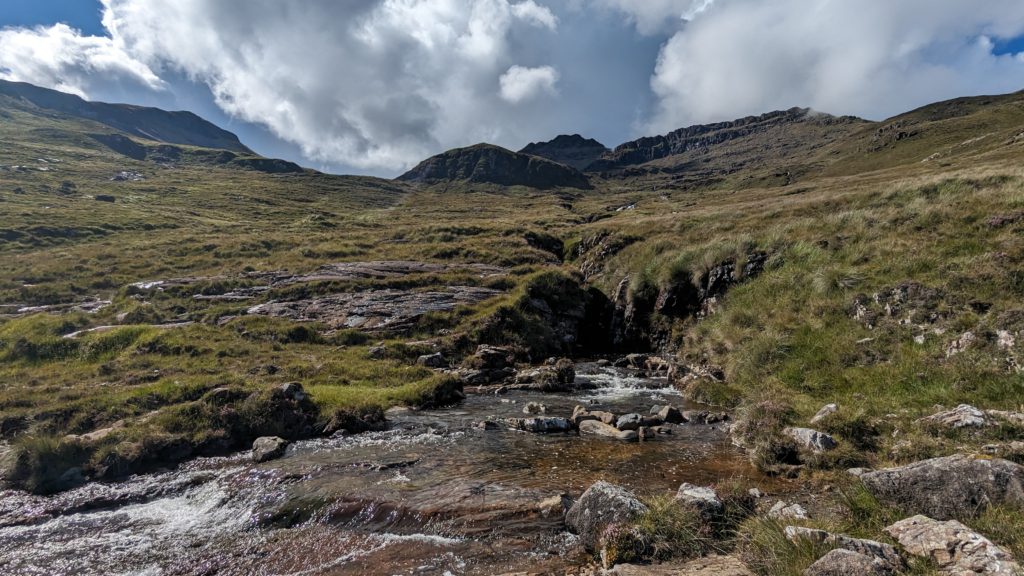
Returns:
(434, 494)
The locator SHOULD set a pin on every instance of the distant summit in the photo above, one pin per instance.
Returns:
(489, 164)
(571, 150)
(150, 123)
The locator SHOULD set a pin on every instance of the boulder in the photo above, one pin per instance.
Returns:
(581, 414)
(704, 417)
(963, 416)
(786, 511)
(629, 422)
(602, 429)
(535, 408)
(840, 562)
(870, 548)
(812, 440)
(491, 358)
(435, 360)
(704, 499)
(954, 547)
(826, 411)
(671, 415)
(268, 448)
(601, 505)
(293, 391)
(956, 486)
(541, 425)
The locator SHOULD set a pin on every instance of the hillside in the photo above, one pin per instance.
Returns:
(574, 150)
(161, 301)
(488, 164)
(149, 123)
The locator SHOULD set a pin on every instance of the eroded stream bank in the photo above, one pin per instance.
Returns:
(436, 493)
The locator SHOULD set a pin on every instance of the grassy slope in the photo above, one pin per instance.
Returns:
(874, 217)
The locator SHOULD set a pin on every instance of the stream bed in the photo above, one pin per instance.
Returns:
(434, 494)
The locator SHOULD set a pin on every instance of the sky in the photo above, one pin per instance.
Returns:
(374, 86)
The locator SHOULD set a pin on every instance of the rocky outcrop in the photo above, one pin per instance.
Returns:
(572, 150)
(601, 505)
(375, 310)
(557, 376)
(954, 547)
(435, 360)
(268, 448)
(869, 548)
(963, 416)
(951, 487)
(489, 164)
(840, 562)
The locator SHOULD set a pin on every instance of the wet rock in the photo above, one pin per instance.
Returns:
(812, 439)
(488, 425)
(671, 415)
(542, 425)
(702, 498)
(956, 486)
(704, 417)
(826, 411)
(646, 433)
(840, 562)
(435, 360)
(581, 414)
(602, 429)
(535, 408)
(601, 505)
(954, 547)
(963, 416)
(629, 422)
(606, 417)
(662, 430)
(786, 511)
(268, 448)
(870, 548)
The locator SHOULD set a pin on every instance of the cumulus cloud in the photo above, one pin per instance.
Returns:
(541, 15)
(873, 58)
(657, 16)
(62, 58)
(520, 83)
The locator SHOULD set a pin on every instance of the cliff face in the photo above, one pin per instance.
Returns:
(574, 150)
(767, 132)
(488, 164)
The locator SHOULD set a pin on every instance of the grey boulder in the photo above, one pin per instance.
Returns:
(268, 448)
(601, 505)
(956, 486)
(954, 547)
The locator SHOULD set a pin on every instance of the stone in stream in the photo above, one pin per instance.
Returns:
(870, 548)
(704, 417)
(268, 448)
(629, 422)
(602, 429)
(840, 562)
(812, 440)
(671, 415)
(954, 547)
(541, 425)
(601, 505)
(955, 486)
(535, 408)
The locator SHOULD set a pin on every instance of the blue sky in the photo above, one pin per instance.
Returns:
(372, 86)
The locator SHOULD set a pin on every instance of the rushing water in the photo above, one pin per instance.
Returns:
(432, 495)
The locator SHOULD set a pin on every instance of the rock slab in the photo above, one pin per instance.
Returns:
(956, 548)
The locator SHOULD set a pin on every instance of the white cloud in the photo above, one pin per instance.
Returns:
(520, 83)
(373, 84)
(873, 58)
(540, 15)
(61, 58)
(654, 16)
